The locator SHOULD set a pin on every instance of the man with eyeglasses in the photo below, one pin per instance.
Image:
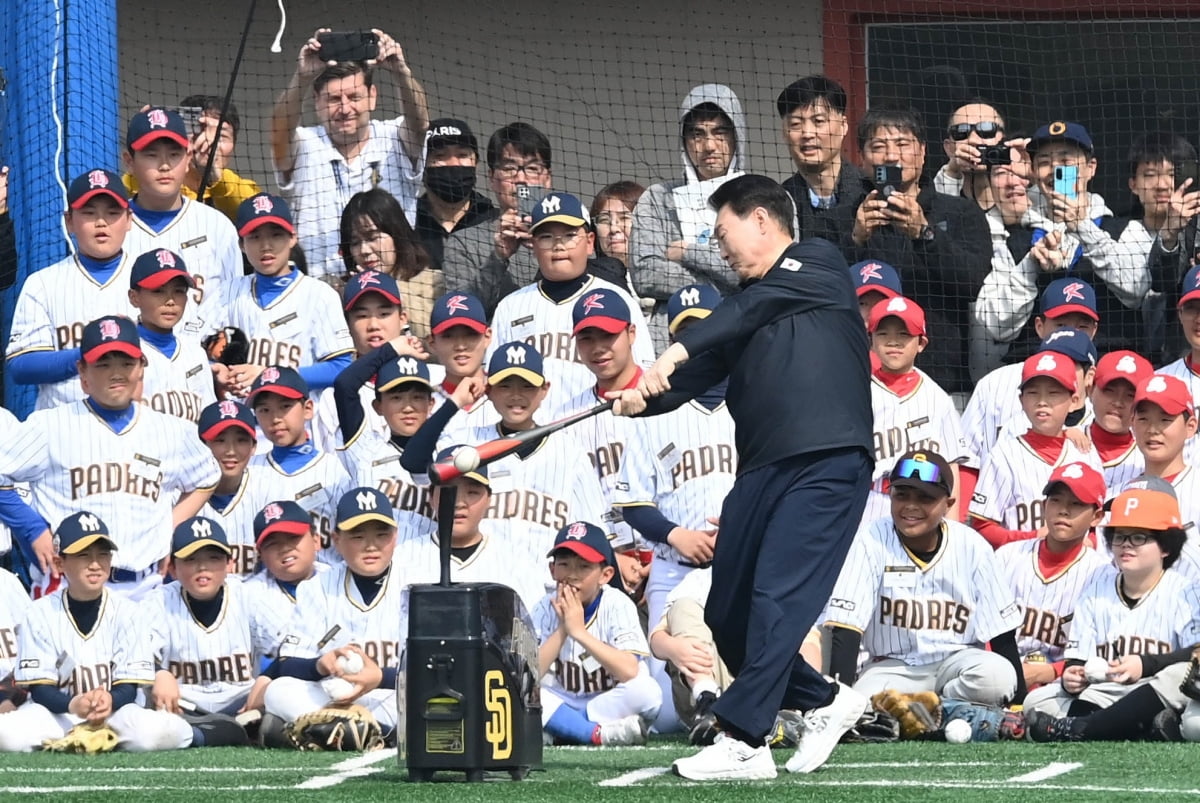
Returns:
(939, 244)
(973, 127)
(672, 242)
(318, 168)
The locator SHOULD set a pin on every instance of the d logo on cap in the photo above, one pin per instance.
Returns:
(109, 330)
(157, 118)
(577, 530)
(263, 205)
(165, 258)
(228, 409)
(270, 375)
(97, 178)
(272, 512)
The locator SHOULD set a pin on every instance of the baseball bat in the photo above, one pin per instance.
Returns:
(444, 471)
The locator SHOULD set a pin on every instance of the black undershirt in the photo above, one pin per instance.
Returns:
(369, 587)
(205, 611)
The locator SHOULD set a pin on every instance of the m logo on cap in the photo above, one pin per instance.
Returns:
(228, 409)
(272, 511)
(165, 258)
(1127, 365)
(109, 329)
(368, 277)
(592, 303)
(201, 528)
(456, 304)
(1072, 292)
(407, 365)
(897, 305)
(1047, 363)
(89, 523)
(515, 355)
(97, 178)
(870, 271)
(157, 118)
(690, 297)
(366, 501)
(1073, 472)
(551, 204)
(263, 205)
(1156, 385)
(577, 530)
(270, 375)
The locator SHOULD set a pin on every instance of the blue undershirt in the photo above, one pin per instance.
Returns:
(293, 458)
(154, 219)
(165, 343)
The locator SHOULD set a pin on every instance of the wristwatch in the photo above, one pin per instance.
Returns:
(926, 233)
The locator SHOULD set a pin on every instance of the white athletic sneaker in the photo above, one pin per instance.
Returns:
(626, 731)
(727, 759)
(823, 727)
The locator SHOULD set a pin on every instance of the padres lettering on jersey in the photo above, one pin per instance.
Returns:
(14, 604)
(1165, 619)
(374, 461)
(302, 326)
(180, 385)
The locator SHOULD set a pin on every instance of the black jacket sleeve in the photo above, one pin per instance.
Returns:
(843, 654)
(345, 389)
(1005, 645)
(419, 453)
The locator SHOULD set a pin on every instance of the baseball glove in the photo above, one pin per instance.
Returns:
(873, 727)
(228, 346)
(351, 729)
(917, 713)
(1191, 682)
(84, 739)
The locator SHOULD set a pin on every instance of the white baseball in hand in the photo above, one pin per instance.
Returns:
(350, 663)
(466, 459)
(1096, 669)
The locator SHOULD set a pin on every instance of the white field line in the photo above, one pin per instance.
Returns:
(636, 777)
(356, 767)
(1052, 770)
(135, 770)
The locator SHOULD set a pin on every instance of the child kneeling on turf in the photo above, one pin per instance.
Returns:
(596, 685)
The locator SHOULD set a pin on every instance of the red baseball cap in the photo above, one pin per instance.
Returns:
(1048, 363)
(1127, 365)
(1168, 392)
(1082, 480)
(905, 309)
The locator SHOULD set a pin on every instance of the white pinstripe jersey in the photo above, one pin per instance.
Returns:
(529, 315)
(1187, 492)
(74, 461)
(995, 401)
(55, 304)
(682, 462)
(461, 427)
(14, 603)
(8, 423)
(536, 496)
(332, 598)
(922, 614)
(1122, 468)
(237, 519)
(923, 419)
(576, 674)
(276, 604)
(374, 462)
(208, 243)
(1012, 481)
(215, 665)
(326, 430)
(1180, 369)
(1047, 603)
(302, 326)
(494, 561)
(181, 385)
(1165, 619)
(53, 651)
(604, 437)
(316, 487)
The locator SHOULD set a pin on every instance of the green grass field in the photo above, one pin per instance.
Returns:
(897, 772)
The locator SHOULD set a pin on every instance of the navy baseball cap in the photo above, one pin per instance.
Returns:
(458, 309)
(79, 531)
(107, 334)
(192, 535)
(155, 268)
(286, 382)
(1073, 343)
(1060, 131)
(559, 207)
(370, 281)
(587, 541)
(604, 309)
(156, 123)
(516, 359)
(401, 370)
(220, 416)
(479, 474)
(448, 131)
(1190, 287)
(259, 210)
(1067, 295)
(87, 186)
(281, 517)
(871, 274)
(693, 301)
(926, 471)
(360, 505)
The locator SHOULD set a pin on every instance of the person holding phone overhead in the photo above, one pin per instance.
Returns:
(318, 168)
(1069, 231)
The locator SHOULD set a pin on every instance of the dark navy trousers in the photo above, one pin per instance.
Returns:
(785, 530)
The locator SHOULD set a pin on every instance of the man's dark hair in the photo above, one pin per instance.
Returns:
(976, 101)
(748, 192)
(211, 104)
(1159, 146)
(702, 113)
(900, 119)
(806, 91)
(524, 139)
(343, 69)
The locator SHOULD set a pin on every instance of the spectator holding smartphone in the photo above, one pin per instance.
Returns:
(319, 168)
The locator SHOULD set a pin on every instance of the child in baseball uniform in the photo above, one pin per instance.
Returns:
(178, 380)
(924, 596)
(1111, 431)
(1132, 636)
(229, 430)
(358, 607)
(290, 319)
(1007, 503)
(459, 340)
(1048, 574)
(910, 411)
(136, 468)
(596, 687)
(294, 468)
(84, 656)
(56, 302)
(14, 602)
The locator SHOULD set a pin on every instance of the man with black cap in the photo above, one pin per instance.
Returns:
(450, 202)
